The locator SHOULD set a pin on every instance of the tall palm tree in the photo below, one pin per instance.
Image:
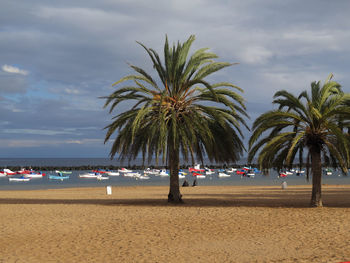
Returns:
(183, 114)
(310, 121)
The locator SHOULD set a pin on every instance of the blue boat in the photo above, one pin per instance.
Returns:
(60, 176)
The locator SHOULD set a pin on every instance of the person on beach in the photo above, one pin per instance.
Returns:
(194, 182)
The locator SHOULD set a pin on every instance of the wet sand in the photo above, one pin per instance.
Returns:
(136, 224)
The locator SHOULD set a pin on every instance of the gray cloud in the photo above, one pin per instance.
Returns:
(74, 50)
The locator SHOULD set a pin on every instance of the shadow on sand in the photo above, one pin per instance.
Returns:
(297, 198)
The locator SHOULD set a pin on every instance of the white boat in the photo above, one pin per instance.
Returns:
(209, 171)
(34, 175)
(63, 172)
(143, 177)
(328, 171)
(163, 173)
(124, 170)
(100, 177)
(251, 175)
(9, 172)
(58, 177)
(132, 174)
(299, 172)
(89, 175)
(231, 170)
(151, 171)
(113, 173)
(223, 175)
(19, 179)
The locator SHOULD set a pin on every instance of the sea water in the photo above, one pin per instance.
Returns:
(75, 181)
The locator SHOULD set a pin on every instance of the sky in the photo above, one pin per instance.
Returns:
(57, 58)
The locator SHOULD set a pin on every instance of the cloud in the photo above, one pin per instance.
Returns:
(70, 52)
(27, 143)
(14, 70)
(255, 55)
(37, 132)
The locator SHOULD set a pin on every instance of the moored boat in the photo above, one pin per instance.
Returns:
(223, 175)
(208, 171)
(112, 173)
(63, 172)
(100, 177)
(163, 173)
(88, 175)
(151, 171)
(19, 179)
(9, 172)
(231, 170)
(132, 174)
(58, 177)
(143, 177)
(34, 175)
(124, 170)
(198, 175)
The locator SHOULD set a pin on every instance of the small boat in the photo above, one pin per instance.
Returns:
(89, 175)
(208, 171)
(195, 170)
(299, 172)
(283, 175)
(256, 171)
(19, 179)
(124, 170)
(143, 177)
(100, 177)
(63, 172)
(24, 171)
(198, 175)
(231, 170)
(151, 171)
(132, 174)
(251, 175)
(163, 173)
(9, 172)
(58, 177)
(111, 173)
(107, 172)
(182, 175)
(223, 175)
(328, 171)
(34, 175)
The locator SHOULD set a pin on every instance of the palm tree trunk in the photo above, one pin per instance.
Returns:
(174, 195)
(316, 197)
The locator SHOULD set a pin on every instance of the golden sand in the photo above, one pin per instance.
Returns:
(136, 224)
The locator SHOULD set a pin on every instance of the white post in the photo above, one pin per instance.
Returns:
(109, 190)
(284, 185)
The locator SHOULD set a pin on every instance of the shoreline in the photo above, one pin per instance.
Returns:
(136, 224)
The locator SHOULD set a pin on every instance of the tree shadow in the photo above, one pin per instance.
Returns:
(295, 198)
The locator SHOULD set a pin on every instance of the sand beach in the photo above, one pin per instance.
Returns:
(136, 224)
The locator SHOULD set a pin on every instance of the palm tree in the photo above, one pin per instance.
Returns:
(185, 114)
(308, 121)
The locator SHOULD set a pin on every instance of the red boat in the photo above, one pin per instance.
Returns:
(191, 170)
